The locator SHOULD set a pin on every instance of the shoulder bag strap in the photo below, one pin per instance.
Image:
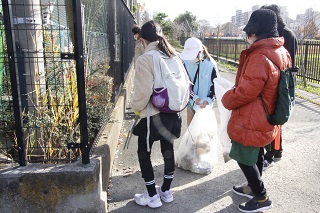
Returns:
(196, 75)
(263, 103)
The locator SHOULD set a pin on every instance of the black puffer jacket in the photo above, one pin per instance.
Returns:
(290, 41)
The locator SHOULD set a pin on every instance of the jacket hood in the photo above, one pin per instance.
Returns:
(265, 45)
(152, 46)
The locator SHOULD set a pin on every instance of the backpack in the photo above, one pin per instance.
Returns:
(286, 97)
(171, 87)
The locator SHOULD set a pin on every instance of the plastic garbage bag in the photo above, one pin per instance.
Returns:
(222, 85)
(197, 151)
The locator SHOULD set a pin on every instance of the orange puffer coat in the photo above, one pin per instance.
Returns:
(257, 74)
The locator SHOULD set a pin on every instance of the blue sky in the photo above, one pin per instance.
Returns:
(219, 12)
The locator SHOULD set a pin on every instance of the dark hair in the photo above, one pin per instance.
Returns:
(151, 31)
(275, 8)
(136, 29)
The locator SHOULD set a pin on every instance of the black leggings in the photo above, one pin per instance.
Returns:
(253, 175)
(145, 161)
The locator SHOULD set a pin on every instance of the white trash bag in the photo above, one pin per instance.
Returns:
(197, 150)
(222, 85)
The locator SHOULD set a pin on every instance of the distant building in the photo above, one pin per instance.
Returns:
(254, 8)
(245, 18)
(238, 20)
(230, 30)
(303, 20)
(241, 19)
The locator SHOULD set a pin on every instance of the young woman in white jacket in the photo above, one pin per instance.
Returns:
(165, 127)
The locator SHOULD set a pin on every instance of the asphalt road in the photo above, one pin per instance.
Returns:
(292, 183)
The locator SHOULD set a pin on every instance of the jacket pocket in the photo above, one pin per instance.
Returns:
(258, 117)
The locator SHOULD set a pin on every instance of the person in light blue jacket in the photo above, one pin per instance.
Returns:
(202, 69)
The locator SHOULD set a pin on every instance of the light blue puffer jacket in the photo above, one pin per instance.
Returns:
(203, 85)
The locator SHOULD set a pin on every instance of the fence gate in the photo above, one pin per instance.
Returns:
(43, 99)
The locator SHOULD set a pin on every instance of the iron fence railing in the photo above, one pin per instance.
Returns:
(307, 56)
(225, 47)
(62, 66)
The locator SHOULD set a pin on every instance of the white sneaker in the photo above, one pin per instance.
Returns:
(165, 196)
(145, 200)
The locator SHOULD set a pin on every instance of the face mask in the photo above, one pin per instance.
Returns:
(251, 39)
(197, 59)
(136, 36)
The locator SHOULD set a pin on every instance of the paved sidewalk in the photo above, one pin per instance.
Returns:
(292, 183)
(308, 96)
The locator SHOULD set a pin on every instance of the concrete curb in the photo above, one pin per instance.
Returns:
(52, 188)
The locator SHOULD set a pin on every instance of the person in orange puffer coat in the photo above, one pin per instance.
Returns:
(258, 75)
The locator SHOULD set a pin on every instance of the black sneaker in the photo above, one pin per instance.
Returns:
(255, 205)
(243, 191)
(266, 165)
(278, 156)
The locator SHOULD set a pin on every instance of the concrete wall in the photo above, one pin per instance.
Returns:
(71, 187)
(52, 188)
(108, 142)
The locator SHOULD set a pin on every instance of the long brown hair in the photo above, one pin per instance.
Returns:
(206, 53)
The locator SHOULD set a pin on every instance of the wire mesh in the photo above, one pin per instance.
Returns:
(47, 75)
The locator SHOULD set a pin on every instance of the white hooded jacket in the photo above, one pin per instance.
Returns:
(143, 83)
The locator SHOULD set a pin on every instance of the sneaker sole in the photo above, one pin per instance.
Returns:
(265, 168)
(166, 200)
(151, 206)
(256, 210)
(169, 200)
(276, 159)
(242, 194)
(154, 205)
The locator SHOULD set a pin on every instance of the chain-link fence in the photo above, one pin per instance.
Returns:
(62, 66)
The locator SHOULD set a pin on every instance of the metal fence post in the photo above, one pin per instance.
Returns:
(305, 62)
(235, 50)
(219, 48)
(14, 82)
(79, 57)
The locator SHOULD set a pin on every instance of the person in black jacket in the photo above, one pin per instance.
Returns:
(291, 44)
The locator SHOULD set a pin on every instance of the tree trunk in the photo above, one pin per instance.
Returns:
(28, 34)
